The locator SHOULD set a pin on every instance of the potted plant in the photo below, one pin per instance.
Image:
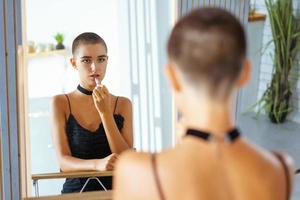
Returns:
(31, 47)
(276, 100)
(59, 37)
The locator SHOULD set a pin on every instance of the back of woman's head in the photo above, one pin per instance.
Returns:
(208, 46)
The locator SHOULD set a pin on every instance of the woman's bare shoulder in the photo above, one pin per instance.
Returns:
(140, 163)
(132, 170)
(261, 153)
(58, 100)
(268, 163)
(131, 159)
(59, 103)
(123, 104)
(123, 100)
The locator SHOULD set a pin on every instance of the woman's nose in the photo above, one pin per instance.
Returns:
(93, 66)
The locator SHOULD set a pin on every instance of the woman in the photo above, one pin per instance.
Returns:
(90, 126)
(207, 65)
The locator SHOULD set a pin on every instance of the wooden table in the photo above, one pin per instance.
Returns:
(59, 175)
(76, 196)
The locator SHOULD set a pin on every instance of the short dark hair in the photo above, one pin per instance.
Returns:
(87, 38)
(208, 45)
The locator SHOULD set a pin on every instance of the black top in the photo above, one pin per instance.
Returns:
(85, 144)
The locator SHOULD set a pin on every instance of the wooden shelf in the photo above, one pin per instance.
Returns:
(62, 52)
(83, 174)
(99, 195)
(256, 17)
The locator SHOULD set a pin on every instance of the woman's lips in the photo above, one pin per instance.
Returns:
(94, 76)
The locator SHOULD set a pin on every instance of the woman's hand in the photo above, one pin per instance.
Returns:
(101, 98)
(107, 163)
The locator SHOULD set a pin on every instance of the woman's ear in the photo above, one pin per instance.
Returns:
(245, 73)
(73, 63)
(172, 77)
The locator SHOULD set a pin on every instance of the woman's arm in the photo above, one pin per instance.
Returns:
(66, 161)
(119, 141)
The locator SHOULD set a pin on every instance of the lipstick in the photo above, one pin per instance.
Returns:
(98, 82)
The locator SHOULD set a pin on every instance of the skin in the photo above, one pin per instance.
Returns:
(196, 169)
(90, 60)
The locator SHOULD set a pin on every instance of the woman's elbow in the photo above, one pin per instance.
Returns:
(128, 147)
(63, 165)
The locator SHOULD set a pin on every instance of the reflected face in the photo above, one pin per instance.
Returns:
(91, 61)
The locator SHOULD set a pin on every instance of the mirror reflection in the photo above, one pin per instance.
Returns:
(115, 42)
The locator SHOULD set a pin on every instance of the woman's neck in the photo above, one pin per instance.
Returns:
(212, 117)
(86, 86)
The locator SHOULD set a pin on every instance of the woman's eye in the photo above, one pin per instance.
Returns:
(101, 60)
(85, 61)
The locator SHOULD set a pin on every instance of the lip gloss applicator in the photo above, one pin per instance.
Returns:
(98, 82)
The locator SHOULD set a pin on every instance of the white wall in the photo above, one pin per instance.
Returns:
(266, 64)
(248, 94)
(45, 18)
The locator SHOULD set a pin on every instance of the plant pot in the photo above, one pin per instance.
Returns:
(281, 119)
(281, 116)
(60, 46)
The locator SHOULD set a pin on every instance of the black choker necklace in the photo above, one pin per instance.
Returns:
(229, 137)
(84, 91)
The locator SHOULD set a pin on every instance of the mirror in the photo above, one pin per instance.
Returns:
(135, 34)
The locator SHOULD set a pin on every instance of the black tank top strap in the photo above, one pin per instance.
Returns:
(156, 177)
(286, 173)
(116, 104)
(69, 103)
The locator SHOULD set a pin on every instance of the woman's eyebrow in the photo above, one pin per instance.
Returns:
(101, 56)
(86, 57)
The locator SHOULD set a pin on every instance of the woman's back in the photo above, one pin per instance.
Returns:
(221, 171)
(198, 169)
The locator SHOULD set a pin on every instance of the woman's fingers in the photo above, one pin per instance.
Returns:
(109, 166)
(96, 97)
(101, 91)
(112, 165)
(111, 162)
(113, 157)
(98, 94)
(102, 99)
(105, 90)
